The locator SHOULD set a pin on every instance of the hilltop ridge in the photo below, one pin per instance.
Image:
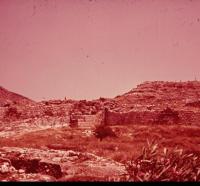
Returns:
(8, 97)
(160, 94)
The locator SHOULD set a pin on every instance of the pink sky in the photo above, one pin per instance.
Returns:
(85, 49)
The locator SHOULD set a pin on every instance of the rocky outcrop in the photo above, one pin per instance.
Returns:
(55, 165)
(160, 94)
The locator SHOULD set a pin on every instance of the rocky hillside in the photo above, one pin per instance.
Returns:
(157, 95)
(8, 97)
(148, 96)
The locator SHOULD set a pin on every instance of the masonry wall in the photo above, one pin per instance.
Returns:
(189, 117)
(133, 117)
(147, 117)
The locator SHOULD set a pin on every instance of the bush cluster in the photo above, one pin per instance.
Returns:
(103, 131)
(12, 113)
(168, 165)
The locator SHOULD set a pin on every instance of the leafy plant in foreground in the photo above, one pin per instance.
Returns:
(174, 165)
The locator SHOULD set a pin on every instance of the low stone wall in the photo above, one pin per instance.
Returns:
(151, 117)
(189, 117)
(133, 117)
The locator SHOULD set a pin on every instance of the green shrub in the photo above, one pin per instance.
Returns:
(169, 165)
(73, 123)
(168, 116)
(12, 113)
(103, 131)
(48, 112)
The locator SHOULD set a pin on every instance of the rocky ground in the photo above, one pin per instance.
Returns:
(27, 164)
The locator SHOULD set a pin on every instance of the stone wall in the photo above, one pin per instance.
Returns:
(190, 117)
(134, 117)
(151, 117)
(114, 118)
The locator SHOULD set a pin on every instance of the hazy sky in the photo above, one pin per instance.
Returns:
(84, 49)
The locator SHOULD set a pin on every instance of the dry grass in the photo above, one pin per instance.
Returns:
(129, 142)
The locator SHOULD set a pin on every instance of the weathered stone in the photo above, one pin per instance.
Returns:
(69, 164)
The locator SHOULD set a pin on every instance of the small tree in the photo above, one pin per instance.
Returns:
(12, 113)
(168, 116)
(48, 112)
(73, 122)
(103, 131)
